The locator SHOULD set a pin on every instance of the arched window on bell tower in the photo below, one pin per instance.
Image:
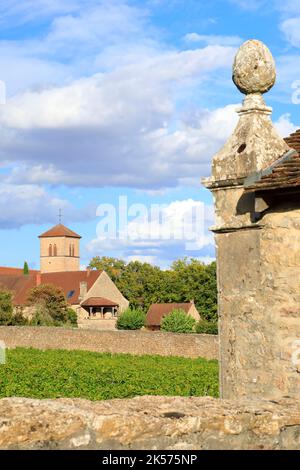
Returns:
(50, 249)
(55, 250)
(73, 250)
(70, 250)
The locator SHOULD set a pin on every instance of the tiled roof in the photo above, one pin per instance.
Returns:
(19, 285)
(60, 231)
(68, 281)
(293, 140)
(283, 174)
(14, 271)
(156, 312)
(98, 302)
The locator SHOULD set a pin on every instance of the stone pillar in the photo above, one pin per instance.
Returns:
(252, 251)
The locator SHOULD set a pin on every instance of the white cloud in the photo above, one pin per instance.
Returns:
(291, 30)
(105, 129)
(211, 39)
(179, 227)
(32, 204)
(284, 125)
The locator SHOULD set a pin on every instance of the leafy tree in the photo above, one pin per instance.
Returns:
(25, 268)
(7, 315)
(131, 319)
(143, 284)
(113, 266)
(50, 305)
(207, 327)
(178, 322)
(197, 281)
(72, 317)
(6, 307)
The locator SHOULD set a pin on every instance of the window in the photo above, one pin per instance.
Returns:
(50, 250)
(55, 250)
(70, 250)
(70, 294)
(73, 250)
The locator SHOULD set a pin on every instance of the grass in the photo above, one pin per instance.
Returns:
(81, 374)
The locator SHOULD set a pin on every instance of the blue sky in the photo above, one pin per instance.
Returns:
(110, 98)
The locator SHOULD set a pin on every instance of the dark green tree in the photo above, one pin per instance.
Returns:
(8, 316)
(6, 307)
(25, 268)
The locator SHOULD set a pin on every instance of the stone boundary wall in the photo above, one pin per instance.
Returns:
(149, 423)
(127, 342)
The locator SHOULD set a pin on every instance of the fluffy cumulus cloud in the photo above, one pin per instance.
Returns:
(158, 234)
(31, 204)
(107, 128)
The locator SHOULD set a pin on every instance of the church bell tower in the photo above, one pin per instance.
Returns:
(59, 250)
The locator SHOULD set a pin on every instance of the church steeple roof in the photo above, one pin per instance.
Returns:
(59, 230)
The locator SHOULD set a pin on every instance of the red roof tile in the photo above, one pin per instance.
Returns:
(19, 285)
(156, 312)
(293, 140)
(69, 282)
(284, 173)
(59, 231)
(98, 302)
(15, 271)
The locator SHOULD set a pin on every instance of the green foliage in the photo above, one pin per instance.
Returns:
(131, 319)
(143, 284)
(25, 268)
(18, 319)
(72, 317)
(41, 317)
(112, 266)
(82, 374)
(207, 327)
(178, 322)
(51, 308)
(7, 315)
(6, 307)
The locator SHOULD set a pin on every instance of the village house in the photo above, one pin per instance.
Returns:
(157, 312)
(92, 294)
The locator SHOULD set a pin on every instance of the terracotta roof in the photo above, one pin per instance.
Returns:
(14, 271)
(98, 302)
(68, 281)
(19, 285)
(59, 231)
(293, 140)
(283, 174)
(156, 312)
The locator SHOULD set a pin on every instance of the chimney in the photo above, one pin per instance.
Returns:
(38, 280)
(83, 290)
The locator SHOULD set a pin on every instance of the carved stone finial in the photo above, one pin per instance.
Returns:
(254, 68)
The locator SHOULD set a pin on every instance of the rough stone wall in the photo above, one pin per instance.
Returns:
(259, 293)
(127, 342)
(61, 262)
(149, 423)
